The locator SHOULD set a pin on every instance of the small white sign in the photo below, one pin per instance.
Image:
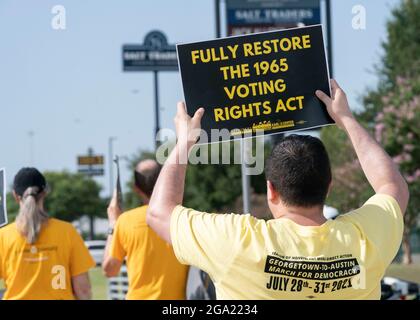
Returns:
(3, 207)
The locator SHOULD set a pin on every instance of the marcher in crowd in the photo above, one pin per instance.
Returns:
(41, 257)
(299, 254)
(154, 273)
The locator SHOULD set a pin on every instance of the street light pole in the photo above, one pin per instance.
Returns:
(245, 149)
(329, 36)
(111, 168)
(217, 12)
(246, 181)
(157, 121)
(91, 217)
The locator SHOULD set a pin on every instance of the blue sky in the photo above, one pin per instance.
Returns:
(67, 86)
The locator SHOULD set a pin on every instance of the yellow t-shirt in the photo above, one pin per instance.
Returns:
(42, 271)
(154, 273)
(249, 258)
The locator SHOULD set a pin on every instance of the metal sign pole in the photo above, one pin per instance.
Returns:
(111, 169)
(329, 36)
(157, 122)
(155, 54)
(246, 182)
(217, 12)
(91, 218)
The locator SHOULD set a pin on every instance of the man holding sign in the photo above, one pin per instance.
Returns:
(298, 254)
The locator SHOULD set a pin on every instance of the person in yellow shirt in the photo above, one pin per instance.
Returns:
(154, 273)
(41, 258)
(298, 254)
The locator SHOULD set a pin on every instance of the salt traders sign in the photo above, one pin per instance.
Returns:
(250, 16)
(155, 54)
(264, 81)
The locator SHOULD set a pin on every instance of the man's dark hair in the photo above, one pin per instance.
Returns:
(299, 169)
(146, 179)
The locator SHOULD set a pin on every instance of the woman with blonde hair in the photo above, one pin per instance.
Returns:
(41, 257)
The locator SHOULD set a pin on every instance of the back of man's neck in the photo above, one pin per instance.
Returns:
(303, 216)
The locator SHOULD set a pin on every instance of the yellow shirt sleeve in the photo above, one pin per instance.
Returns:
(117, 250)
(381, 222)
(1, 261)
(207, 241)
(80, 259)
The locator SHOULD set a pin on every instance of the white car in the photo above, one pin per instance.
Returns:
(96, 249)
(403, 290)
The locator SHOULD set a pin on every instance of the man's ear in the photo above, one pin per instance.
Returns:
(144, 198)
(137, 191)
(272, 194)
(329, 188)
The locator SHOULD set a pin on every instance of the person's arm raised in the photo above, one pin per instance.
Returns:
(111, 266)
(381, 172)
(169, 189)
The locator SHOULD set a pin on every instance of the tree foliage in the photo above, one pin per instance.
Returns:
(209, 186)
(401, 56)
(73, 195)
(350, 188)
(392, 114)
(396, 127)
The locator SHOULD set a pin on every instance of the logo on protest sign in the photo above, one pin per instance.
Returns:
(264, 81)
(3, 208)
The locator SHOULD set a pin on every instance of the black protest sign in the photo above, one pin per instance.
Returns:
(265, 81)
(3, 208)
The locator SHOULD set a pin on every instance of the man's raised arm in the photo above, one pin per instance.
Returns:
(169, 189)
(379, 169)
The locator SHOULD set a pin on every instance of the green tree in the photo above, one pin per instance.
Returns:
(350, 187)
(396, 127)
(12, 207)
(73, 195)
(212, 187)
(392, 109)
(401, 55)
(402, 47)
(391, 112)
(208, 187)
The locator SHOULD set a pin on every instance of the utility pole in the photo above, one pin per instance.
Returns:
(111, 168)
(246, 181)
(217, 12)
(91, 217)
(329, 36)
(157, 120)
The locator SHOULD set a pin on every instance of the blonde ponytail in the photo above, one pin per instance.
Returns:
(31, 215)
